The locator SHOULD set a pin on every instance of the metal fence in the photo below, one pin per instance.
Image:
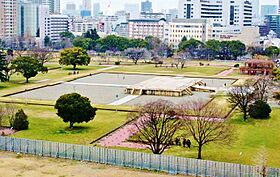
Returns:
(169, 164)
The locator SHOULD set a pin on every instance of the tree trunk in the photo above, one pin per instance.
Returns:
(27, 80)
(199, 156)
(74, 67)
(71, 125)
(245, 115)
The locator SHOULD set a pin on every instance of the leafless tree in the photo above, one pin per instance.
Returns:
(2, 115)
(42, 54)
(241, 96)
(262, 162)
(136, 54)
(262, 88)
(205, 126)
(10, 111)
(156, 123)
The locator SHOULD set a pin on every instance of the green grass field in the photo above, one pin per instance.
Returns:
(189, 70)
(46, 125)
(252, 136)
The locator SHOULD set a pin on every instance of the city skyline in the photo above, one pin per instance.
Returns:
(111, 6)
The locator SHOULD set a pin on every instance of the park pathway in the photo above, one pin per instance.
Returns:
(226, 72)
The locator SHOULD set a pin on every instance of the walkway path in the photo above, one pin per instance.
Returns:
(124, 100)
(226, 72)
(119, 138)
(107, 68)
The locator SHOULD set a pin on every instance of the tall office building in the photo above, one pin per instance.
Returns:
(273, 23)
(255, 8)
(9, 19)
(146, 6)
(268, 10)
(133, 10)
(86, 5)
(96, 9)
(29, 19)
(71, 10)
(54, 5)
(224, 13)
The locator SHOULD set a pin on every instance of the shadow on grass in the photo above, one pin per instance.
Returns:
(77, 69)
(74, 130)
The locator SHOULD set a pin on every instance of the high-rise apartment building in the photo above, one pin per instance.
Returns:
(223, 12)
(146, 6)
(9, 18)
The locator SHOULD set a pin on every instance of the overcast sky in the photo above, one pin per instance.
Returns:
(158, 5)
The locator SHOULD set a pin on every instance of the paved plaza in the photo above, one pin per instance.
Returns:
(107, 88)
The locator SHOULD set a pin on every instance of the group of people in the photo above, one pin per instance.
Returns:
(185, 142)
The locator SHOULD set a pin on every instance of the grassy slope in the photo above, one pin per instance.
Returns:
(252, 136)
(46, 125)
(189, 70)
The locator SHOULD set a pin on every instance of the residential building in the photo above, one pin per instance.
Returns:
(146, 6)
(82, 25)
(223, 12)
(9, 19)
(199, 29)
(141, 28)
(52, 25)
(122, 29)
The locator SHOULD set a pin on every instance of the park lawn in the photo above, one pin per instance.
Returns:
(17, 81)
(251, 137)
(188, 70)
(44, 124)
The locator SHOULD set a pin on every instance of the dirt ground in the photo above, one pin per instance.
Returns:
(13, 165)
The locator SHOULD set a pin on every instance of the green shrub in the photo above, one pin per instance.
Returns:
(20, 121)
(259, 110)
(236, 65)
(117, 63)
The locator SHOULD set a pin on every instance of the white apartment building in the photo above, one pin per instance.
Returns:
(199, 29)
(223, 12)
(52, 25)
(141, 28)
(9, 19)
(82, 25)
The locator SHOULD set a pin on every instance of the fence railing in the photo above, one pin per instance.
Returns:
(169, 164)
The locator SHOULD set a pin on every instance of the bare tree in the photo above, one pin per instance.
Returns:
(10, 111)
(136, 54)
(262, 162)
(42, 54)
(241, 96)
(156, 123)
(206, 126)
(262, 88)
(2, 115)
